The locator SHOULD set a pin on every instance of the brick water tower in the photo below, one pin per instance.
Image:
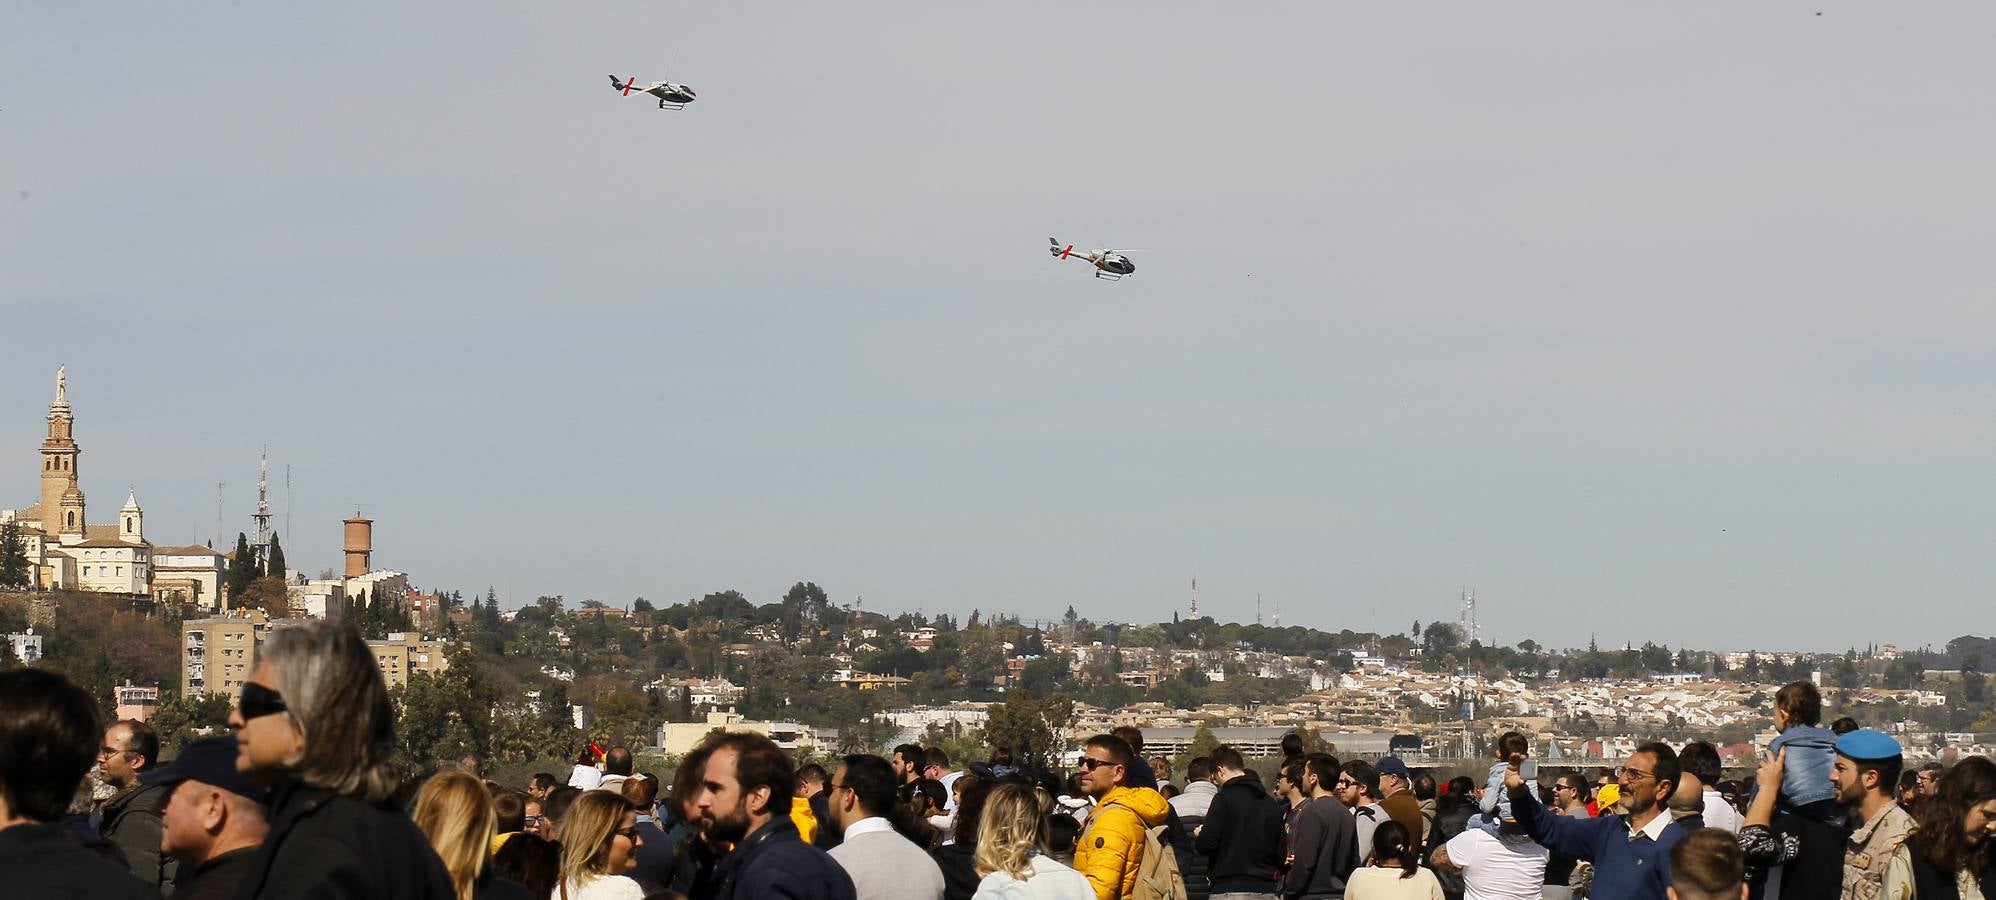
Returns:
(359, 545)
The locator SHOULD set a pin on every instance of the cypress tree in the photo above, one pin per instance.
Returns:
(13, 556)
(275, 567)
(242, 567)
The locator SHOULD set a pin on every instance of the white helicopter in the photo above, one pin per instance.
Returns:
(670, 96)
(1110, 264)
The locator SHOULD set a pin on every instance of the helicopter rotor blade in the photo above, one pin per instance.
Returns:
(1099, 242)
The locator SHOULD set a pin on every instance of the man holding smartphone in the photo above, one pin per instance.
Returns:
(1630, 848)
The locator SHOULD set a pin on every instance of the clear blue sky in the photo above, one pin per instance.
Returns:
(1666, 323)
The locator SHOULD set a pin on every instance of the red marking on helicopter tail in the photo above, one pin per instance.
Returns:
(627, 85)
(1066, 251)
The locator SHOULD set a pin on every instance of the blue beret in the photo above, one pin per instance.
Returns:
(1866, 745)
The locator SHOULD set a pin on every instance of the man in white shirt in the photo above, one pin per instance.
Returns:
(1700, 758)
(935, 764)
(1496, 866)
(883, 865)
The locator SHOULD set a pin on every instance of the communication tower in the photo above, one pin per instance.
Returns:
(1468, 618)
(262, 543)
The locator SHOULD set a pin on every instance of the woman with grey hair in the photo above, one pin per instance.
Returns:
(314, 723)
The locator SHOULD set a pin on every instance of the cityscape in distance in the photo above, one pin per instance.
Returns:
(171, 632)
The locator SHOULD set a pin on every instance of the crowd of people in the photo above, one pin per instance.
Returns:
(301, 800)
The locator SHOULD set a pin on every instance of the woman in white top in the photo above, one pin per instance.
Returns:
(1011, 838)
(1393, 872)
(599, 842)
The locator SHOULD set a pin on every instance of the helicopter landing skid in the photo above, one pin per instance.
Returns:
(1108, 276)
(672, 106)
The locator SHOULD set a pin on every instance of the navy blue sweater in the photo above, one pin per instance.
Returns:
(1624, 869)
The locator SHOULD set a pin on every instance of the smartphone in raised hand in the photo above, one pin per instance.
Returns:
(1529, 769)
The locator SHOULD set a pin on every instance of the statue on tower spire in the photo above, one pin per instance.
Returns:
(62, 385)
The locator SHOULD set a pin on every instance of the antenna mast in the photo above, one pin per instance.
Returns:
(221, 498)
(1468, 618)
(263, 510)
(1195, 596)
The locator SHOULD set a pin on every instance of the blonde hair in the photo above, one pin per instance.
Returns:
(1009, 831)
(455, 811)
(585, 832)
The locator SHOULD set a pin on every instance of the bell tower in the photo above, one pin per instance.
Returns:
(59, 453)
(132, 521)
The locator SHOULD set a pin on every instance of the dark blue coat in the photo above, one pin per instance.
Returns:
(773, 861)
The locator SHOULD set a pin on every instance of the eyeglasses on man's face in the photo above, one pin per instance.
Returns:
(1091, 763)
(1633, 775)
(1344, 783)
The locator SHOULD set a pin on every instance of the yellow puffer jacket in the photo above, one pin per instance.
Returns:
(1112, 847)
(805, 820)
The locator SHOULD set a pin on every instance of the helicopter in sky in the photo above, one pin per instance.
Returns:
(1110, 264)
(670, 96)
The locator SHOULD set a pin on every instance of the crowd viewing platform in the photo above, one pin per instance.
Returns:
(309, 791)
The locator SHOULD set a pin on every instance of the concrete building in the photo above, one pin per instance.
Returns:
(315, 597)
(218, 653)
(27, 646)
(679, 738)
(136, 701)
(405, 653)
(189, 575)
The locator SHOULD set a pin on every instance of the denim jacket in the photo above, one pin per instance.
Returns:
(1805, 775)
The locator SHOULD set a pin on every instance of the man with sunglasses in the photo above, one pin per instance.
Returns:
(132, 815)
(1111, 849)
(1630, 849)
(1357, 787)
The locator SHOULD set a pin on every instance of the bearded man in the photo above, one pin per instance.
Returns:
(743, 802)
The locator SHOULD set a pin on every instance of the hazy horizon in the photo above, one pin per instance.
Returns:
(1672, 314)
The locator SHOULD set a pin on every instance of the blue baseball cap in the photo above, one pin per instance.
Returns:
(1866, 745)
(1391, 765)
(211, 761)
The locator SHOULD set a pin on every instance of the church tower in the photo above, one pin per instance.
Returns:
(62, 500)
(132, 521)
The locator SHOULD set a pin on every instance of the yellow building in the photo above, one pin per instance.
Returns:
(405, 653)
(217, 654)
(63, 552)
(679, 738)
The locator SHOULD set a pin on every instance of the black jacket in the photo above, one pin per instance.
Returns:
(132, 821)
(217, 879)
(828, 835)
(1242, 838)
(47, 861)
(1326, 850)
(774, 862)
(327, 846)
(1191, 865)
(959, 865)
